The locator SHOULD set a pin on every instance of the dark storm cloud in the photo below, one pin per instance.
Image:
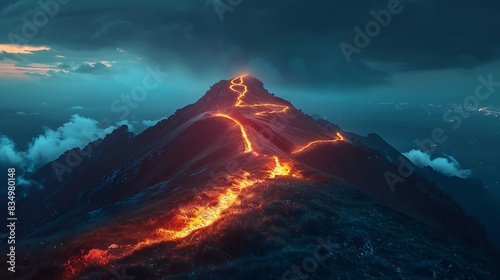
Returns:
(297, 39)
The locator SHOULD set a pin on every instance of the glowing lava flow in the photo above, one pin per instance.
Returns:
(339, 138)
(242, 93)
(248, 144)
(192, 217)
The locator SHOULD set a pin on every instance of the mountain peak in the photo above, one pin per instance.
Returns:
(245, 102)
(251, 81)
(239, 92)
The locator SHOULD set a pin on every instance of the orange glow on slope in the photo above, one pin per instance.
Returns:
(244, 91)
(248, 144)
(308, 145)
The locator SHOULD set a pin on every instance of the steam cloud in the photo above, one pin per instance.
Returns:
(447, 166)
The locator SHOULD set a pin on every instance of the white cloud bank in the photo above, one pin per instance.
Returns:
(51, 144)
(48, 146)
(446, 166)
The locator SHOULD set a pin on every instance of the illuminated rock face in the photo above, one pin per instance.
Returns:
(183, 179)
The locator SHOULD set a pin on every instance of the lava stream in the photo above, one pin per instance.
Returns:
(194, 217)
(244, 135)
(308, 145)
(242, 93)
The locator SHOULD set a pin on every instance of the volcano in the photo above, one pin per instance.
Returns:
(242, 185)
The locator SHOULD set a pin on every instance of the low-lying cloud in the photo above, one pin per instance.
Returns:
(448, 165)
(8, 151)
(48, 146)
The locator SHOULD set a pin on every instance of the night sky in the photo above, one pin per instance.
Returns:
(396, 68)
